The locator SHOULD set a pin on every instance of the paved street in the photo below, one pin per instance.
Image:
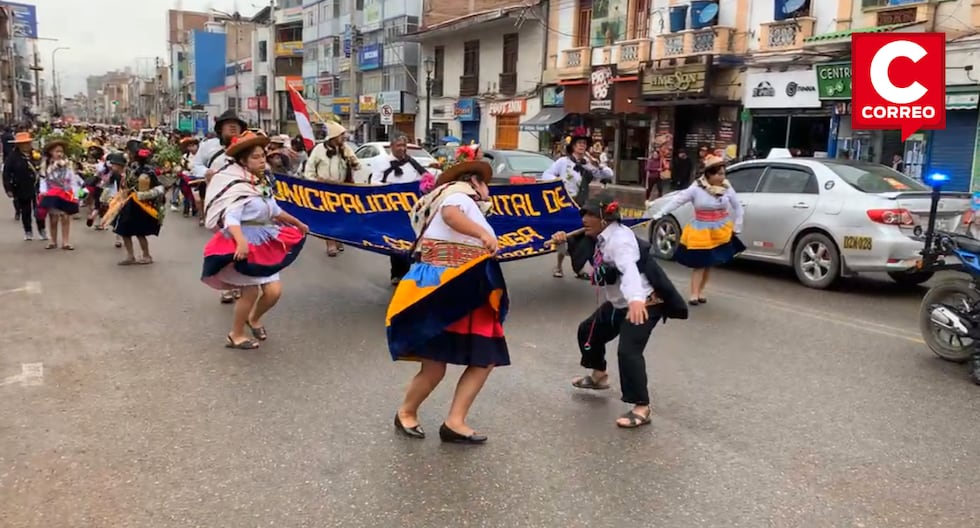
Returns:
(775, 405)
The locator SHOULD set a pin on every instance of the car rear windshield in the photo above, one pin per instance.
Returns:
(528, 163)
(873, 178)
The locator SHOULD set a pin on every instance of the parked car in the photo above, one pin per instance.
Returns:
(375, 155)
(825, 218)
(511, 166)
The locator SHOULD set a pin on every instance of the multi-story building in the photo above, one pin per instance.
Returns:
(288, 59)
(180, 24)
(8, 87)
(483, 72)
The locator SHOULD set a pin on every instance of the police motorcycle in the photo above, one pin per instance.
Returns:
(949, 316)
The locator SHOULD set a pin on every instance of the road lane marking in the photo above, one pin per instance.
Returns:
(31, 374)
(851, 322)
(29, 287)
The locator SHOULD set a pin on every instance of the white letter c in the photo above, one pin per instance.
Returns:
(879, 72)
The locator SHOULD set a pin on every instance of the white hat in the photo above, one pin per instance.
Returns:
(334, 129)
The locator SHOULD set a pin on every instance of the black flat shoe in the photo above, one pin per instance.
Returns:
(411, 432)
(694, 302)
(449, 436)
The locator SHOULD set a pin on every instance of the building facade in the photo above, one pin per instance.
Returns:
(484, 77)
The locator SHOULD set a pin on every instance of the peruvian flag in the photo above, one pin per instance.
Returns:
(302, 118)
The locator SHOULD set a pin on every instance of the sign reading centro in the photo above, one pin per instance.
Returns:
(834, 81)
(690, 79)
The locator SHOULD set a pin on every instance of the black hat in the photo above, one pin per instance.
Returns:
(575, 139)
(116, 158)
(229, 115)
(604, 206)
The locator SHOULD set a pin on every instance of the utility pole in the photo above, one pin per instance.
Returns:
(271, 97)
(37, 77)
(355, 47)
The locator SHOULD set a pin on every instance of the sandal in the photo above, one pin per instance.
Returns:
(68, 247)
(635, 420)
(258, 332)
(227, 297)
(558, 274)
(590, 383)
(117, 245)
(582, 276)
(702, 300)
(331, 252)
(248, 344)
(127, 262)
(144, 261)
(51, 246)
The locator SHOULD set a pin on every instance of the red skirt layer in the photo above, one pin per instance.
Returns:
(56, 199)
(265, 259)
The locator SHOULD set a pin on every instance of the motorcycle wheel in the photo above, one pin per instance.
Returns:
(947, 347)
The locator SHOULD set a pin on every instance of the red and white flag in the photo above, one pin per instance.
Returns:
(302, 118)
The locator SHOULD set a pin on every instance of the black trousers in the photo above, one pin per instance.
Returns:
(27, 207)
(602, 327)
(399, 266)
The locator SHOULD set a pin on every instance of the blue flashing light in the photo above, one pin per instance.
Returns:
(937, 177)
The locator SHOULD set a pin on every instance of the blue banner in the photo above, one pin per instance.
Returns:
(24, 23)
(370, 58)
(376, 218)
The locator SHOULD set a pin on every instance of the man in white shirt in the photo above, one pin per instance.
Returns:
(210, 159)
(401, 168)
(631, 309)
(576, 170)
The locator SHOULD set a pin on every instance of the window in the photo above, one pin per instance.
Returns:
(874, 178)
(745, 180)
(508, 77)
(439, 61)
(337, 48)
(470, 80)
(359, 5)
(784, 180)
(263, 50)
(336, 8)
(367, 152)
(311, 18)
(583, 24)
(639, 19)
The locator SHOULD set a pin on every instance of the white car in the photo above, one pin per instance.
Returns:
(825, 218)
(374, 156)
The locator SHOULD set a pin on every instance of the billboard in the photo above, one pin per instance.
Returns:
(23, 19)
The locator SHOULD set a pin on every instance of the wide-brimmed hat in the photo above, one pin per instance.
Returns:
(229, 115)
(116, 158)
(334, 129)
(570, 144)
(244, 142)
(54, 143)
(603, 206)
(281, 139)
(189, 140)
(22, 137)
(713, 161)
(467, 161)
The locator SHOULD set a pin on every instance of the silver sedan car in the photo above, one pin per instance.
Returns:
(825, 218)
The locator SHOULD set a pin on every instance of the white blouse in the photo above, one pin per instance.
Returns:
(439, 230)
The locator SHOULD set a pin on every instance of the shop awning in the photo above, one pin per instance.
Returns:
(962, 101)
(846, 34)
(543, 120)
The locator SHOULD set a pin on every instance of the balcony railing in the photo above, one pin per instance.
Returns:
(781, 35)
(574, 63)
(716, 40)
(508, 83)
(468, 85)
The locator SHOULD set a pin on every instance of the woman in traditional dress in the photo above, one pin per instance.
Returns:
(142, 212)
(187, 182)
(254, 239)
(57, 191)
(709, 240)
(449, 307)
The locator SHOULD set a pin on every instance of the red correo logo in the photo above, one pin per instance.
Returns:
(898, 81)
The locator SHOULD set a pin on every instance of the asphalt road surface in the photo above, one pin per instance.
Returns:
(774, 405)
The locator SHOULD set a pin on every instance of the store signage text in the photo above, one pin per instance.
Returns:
(834, 81)
(601, 86)
(684, 80)
(515, 106)
(789, 89)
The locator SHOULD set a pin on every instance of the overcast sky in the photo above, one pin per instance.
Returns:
(109, 35)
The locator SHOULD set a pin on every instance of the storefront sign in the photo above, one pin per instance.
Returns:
(367, 104)
(467, 110)
(285, 81)
(553, 96)
(834, 81)
(601, 86)
(370, 57)
(689, 80)
(341, 105)
(513, 107)
(289, 49)
(791, 89)
(392, 99)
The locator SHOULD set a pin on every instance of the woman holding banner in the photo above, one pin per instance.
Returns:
(332, 161)
(254, 239)
(450, 306)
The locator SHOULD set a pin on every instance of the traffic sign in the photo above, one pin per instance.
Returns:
(387, 115)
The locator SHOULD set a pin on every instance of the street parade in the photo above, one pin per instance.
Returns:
(603, 281)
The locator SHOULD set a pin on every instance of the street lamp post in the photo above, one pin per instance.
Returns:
(54, 79)
(430, 66)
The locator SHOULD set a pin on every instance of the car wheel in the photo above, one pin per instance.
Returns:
(910, 278)
(816, 261)
(664, 237)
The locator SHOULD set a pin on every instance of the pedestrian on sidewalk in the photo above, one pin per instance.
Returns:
(637, 294)
(450, 306)
(254, 239)
(58, 193)
(20, 182)
(711, 238)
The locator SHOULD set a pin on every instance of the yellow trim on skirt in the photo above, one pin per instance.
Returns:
(694, 238)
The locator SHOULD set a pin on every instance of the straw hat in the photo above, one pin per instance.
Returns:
(468, 161)
(245, 142)
(22, 137)
(712, 161)
(189, 140)
(280, 139)
(54, 143)
(334, 129)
